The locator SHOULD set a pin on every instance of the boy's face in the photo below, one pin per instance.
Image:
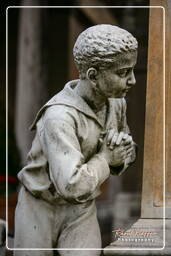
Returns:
(116, 81)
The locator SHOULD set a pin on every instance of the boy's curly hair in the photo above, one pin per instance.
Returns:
(99, 45)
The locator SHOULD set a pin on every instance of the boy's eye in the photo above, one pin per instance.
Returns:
(123, 72)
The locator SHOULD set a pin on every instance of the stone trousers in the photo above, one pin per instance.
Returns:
(39, 224)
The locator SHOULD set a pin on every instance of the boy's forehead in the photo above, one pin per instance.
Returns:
(125, 60)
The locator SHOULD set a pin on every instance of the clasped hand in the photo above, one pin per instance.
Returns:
(116, 147)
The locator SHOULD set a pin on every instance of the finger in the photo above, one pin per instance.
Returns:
(110, 136)
(125, 136)
(129, 155)
(102, 138)
(113, 140)
(129, 151)
(128, 140)
(128, 147)
(120, 137)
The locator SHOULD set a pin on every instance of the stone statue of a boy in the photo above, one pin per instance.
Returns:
(81, 137)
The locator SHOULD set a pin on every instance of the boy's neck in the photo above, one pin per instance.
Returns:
(91, 95)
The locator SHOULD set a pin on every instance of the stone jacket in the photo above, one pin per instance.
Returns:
(63, 164)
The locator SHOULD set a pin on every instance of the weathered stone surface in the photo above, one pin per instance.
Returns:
(81, 137)
(31, 76)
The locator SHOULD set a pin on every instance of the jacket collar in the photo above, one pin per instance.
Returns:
(67, 97)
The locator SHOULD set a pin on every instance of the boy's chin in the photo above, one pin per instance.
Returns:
(124, 93)
(120, 95)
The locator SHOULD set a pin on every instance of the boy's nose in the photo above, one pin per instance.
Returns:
(131, 79)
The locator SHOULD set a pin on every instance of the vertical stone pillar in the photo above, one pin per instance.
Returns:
(148, 233)
(168, 114)
(31, 74)
(75, 28)
(153, 171)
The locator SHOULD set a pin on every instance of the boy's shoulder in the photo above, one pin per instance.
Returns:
(59, 112)
(55, 111)
(56, 105)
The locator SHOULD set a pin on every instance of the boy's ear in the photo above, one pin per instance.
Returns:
(91, 74)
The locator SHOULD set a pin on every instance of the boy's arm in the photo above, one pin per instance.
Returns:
(74, 179)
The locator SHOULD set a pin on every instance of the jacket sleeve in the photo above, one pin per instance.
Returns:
(74, 179)
(128, 161)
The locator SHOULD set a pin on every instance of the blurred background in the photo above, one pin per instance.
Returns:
(40, 62)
